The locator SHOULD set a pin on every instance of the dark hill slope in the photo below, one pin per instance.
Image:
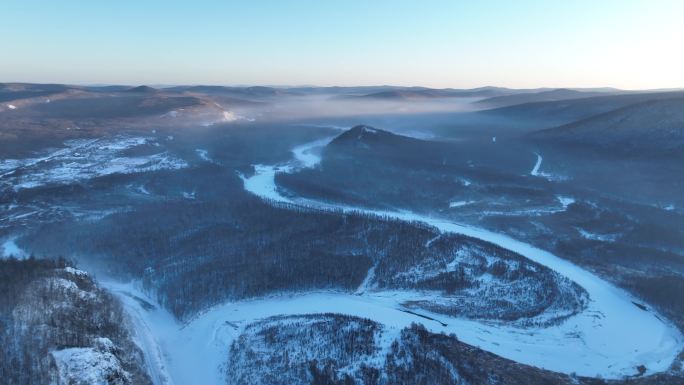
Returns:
(369, 166)
(654, 127)
(19, 91)
(143, 90)
(566, 111)
(365, 142)
(544, 96)
(418, 93)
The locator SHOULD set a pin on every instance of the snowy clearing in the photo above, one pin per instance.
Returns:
(9, 248)
(85, 159)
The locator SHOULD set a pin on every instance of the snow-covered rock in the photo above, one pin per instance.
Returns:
(90, 366)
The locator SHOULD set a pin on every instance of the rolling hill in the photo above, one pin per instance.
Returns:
(543, 96)
(647, 128)
(567, 111)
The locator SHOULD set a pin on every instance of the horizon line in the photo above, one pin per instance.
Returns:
(286, 86)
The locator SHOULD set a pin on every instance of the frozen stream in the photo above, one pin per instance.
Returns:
(609, 339)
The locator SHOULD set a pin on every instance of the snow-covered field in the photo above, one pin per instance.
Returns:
(85, 159)
(610, 338)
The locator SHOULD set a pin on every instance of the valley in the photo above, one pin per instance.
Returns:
(231, 246)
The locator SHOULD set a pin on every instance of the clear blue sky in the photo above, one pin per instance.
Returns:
(450, 43)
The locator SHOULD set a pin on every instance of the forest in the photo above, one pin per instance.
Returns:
(49, 310)
(193, 254)
(334, 349)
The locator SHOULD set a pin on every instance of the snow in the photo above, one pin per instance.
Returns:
(194, 353)
(597, 237)
(367, 281)
(85, 159)
(64, 284)
(307, 155)
(432, 240)
(10, 248)
(229, 116)
(460, 204)
(76, 272)
(67, 286)
(537, 165)
(536, 171)
(610, 338)
(92, 366)
(153, 331)
(143, 190)
(565, 201)
(263, 181)
(204, 154)
(599, 340)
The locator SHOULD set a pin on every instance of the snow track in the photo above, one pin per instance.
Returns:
(537, 165)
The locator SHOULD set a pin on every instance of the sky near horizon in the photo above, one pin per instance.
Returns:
(630, 44)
